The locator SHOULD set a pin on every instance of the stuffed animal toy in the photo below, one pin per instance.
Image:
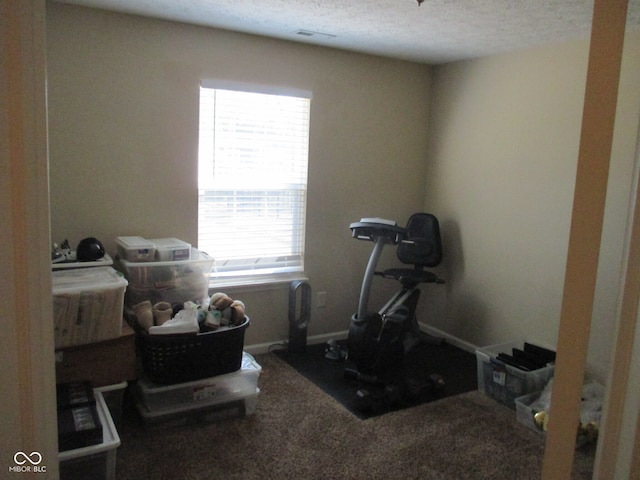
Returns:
(237, 312)
(225, 310)
(220, 301)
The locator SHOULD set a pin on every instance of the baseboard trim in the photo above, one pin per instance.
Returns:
(341, 335)
(455, 341)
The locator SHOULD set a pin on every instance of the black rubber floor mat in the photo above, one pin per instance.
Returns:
(424, 363)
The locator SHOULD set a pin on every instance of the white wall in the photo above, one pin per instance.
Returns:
(123, 109)
(503, 152)
(498, 152)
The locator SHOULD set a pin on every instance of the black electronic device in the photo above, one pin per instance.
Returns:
(545, 355)
(75, 394)
(509, 360)
(78, 427)
(528, 358)
(299, 315)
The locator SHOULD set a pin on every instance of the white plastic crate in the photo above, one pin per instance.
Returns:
(592, 399)
(505, 383)
(239, 405)
(87, 305)
(171, 249)
(135, 249)
(105, 261)
(207, 391)
(114, 399)
(96, 462)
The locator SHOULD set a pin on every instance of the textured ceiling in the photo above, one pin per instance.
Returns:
(437, 31)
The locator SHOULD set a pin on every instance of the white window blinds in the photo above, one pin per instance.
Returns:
(252, 180)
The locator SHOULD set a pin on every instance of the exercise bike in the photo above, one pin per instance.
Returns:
(378, 343)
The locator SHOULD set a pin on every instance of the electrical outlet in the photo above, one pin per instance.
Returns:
(321, 299)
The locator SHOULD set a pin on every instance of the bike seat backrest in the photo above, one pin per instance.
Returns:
(424, 248)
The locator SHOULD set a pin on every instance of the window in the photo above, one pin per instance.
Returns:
(252, 179)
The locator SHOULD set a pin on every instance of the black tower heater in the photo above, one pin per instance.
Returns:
(299, 315)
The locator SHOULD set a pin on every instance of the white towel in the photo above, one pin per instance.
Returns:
(165, 329)
(185, 321)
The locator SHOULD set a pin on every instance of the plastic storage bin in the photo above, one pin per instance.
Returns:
(173, 282)
(105, 261)
(136, 249)
(179, 358)
(171, 249)
(524, 413)
(505, 383)
(218, 389)
(95, 462)
(201, 412)
(87, 305)
(114, 399)
(588, 420)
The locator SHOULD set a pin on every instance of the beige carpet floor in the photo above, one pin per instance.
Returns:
(299, 432)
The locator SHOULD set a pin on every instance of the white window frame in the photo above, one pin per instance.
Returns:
(267, 266)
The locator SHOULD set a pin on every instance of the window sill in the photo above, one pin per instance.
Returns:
(256, 282)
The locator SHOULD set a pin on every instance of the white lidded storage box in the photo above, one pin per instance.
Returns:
(136, 249)
(207, 391)
(504, 383)
(170, 249)
(173, 282)
(95, 462)
(239, 406)
(105, 261)
(87, 305)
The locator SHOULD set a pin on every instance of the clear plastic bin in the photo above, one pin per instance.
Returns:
(198, 413)
(114, 399)
(96, 462)
(171, 281)
(524, 413)
(213, 390)
(87, 305)
(505, 383)
(136, 249)
(171, 249)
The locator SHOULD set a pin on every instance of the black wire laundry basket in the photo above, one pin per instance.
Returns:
(179, 358)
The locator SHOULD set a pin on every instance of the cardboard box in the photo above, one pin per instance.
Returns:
(103, 363)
